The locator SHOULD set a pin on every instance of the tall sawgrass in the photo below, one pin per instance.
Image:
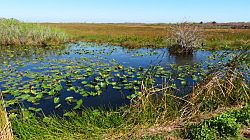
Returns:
(14, 32)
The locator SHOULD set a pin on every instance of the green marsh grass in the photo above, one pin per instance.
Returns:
(90, 124)
(14, 32)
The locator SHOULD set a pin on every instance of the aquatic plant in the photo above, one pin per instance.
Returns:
(14, 32)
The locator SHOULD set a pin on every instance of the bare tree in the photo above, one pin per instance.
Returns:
(186, 38)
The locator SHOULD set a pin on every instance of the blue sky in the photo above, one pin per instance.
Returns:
(147, 11)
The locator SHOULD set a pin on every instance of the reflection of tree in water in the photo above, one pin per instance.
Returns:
(184, 59)
(14, 53)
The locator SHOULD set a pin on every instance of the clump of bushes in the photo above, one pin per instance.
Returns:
(223, 126)
(14, 32)
(185, 38)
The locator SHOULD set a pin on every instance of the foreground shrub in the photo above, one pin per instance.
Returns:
(222, 126)
(14, 32)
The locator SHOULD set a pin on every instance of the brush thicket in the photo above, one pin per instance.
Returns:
(225, 86)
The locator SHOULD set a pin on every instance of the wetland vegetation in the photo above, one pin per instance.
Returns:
(154, 35)
(83, 90)
(14, 32)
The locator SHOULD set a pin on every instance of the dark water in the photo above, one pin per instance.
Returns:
(68, 71)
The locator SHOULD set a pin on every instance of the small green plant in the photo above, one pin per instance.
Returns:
(200, 132)
(226, 126)
(242, 116)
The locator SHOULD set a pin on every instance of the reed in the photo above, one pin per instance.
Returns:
(224, 86)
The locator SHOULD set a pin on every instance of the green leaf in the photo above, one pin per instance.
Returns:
(78, 104)
(69, 99)
(57, 106)
(84, 82)
(56, 100)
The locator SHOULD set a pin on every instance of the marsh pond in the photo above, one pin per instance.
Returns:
(83, 75)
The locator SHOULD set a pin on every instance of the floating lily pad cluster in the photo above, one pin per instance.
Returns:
(33, 74)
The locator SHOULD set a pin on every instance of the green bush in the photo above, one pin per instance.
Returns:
(223, 126)
(243, 115)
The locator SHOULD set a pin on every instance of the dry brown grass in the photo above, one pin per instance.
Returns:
(224, 86)
(5, 126)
